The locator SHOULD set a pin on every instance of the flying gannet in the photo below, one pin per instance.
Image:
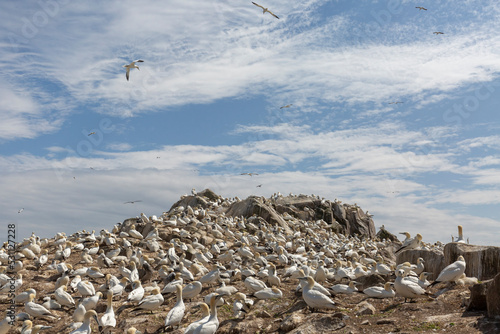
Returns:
(132, 202)
(438, 33)
(264, 10)
(287, 106)
(132, 65)
(421, 8)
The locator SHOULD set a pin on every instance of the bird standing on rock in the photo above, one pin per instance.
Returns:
(451, 272)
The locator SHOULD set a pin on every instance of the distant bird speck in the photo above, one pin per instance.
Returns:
(250, 174)
(438, 33)
(421, 8)
(287, 106)
(259, 185)
(264, 10)
(132, 65)
(132, 202)
(396, 102)
(92, 133)
(21, 210)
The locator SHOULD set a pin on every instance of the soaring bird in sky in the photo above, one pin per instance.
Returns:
(396, 102)
(249, 174)
(264, 10)
(21, 210)
(92, 133)
(132, 202)
(132, 65)
(287, 106)
(421, 8)
(438, 33)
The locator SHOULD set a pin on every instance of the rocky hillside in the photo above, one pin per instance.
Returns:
(225, 241)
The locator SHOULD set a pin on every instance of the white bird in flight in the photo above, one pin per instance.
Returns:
(132, 65)
(264, 10)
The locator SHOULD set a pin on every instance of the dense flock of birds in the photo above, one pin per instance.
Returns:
(244, 260)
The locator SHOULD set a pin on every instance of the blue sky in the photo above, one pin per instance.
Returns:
(205, 107)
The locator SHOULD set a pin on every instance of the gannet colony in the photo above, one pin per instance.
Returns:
(296, 263)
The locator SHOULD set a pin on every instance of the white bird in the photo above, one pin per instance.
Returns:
(451, 272)
(170, 287)
(128, 67)
(5, 325)
(313, 298)
(85, 288)
(28, 328)
(63, 297)
(90, 303)
(136, 294)
(345, 289)
(23, 297)
(205, 315)
(175, 315)
(108, 318)
(264, 10)
(192, 290)
(269, 293)
(34, 309)
(212, 324)
(151, 302)
(79, 313)
(241, 304)
(407, 288)
(85, 327)
(380, 292)
(412, 244)
(460, 235)
(50, 304)
(254, 284)
(420, 266)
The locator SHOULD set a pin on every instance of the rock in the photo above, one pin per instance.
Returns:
(385, 321)
(320, 323)
(253, 206)
(291, 322)
(477, 301)
(370, 280)
(365, 308)
(384, 234)
(482, 262)
(434, 260)
(492, 297)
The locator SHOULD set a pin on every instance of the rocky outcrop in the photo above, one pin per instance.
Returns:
(482, 262)
(477, 300)
(434, 260)
(492, 298)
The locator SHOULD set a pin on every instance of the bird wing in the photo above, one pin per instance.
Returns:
(128, 73)
(276, 16)
(138, 61)
(258, 5)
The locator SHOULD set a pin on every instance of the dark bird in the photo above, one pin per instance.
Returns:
(250, 174)
(264, 10)
(287, 106)
(421, 8)
(92, 133)
(260, 185)
(132, 202)
(438, 33)
(132, 65)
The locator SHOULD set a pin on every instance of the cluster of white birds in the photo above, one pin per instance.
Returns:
(141, 263)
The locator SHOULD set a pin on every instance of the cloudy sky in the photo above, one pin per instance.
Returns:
(77, 139)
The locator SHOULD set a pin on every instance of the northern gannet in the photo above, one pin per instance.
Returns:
(92, 133)
(85, 327)
(313, 298)
(264, 10)
(212, 324)
(343, 288)
(407, 288)
(132, 202)
(64, 298)
(380, 292)
(20, 210)
(438, 33)
(175, 315)
(34, 309)
(28, 328)
(132, 65)
(460, 235)
(412, 243)
(287, 106)
(451, 272)
(269, 293)
(205, 315)
(108, 319)
(421, 8)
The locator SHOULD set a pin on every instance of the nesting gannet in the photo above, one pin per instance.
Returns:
(451, 272)
(264, 10)
(28, 328)
(132, 65)
(50, 304)
(175, 315)
(205, 315)
(412, 243)
(192, 290)
(345, 289)
(420, 266)
(136, 295)
(407, 288)
(313, 298)
(212, 324)
(34, 309)
(108, 318)
(90, 303)
(241, 304)
(380, 292)
(85, 327)
(269, 293)
(63, 297)
(85, 288)
(23, 297)
(79, 313)
(151, 302)
(254, 284)
(464, 280)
